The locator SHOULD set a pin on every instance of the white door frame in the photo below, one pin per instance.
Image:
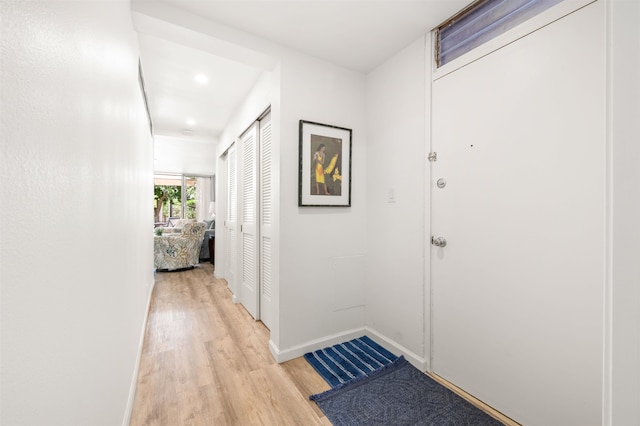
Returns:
(435, 251)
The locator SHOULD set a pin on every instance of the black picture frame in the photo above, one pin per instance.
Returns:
(324, 173)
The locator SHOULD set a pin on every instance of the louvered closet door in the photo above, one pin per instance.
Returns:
(231, 218)
(248, 222)
(267, 309)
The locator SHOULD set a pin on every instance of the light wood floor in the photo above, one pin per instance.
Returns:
(205, 361)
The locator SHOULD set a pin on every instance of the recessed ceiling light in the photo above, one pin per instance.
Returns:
(191, 122)
(201, 78)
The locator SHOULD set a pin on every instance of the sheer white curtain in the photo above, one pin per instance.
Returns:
(204, 197)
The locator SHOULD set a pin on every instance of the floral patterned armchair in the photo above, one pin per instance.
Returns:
(178, 251)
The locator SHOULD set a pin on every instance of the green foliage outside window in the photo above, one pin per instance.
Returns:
(168, 199)
(191, 202)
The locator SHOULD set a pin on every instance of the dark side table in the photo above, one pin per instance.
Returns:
(212, 249)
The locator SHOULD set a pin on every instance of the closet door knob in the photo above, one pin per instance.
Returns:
(438, 242)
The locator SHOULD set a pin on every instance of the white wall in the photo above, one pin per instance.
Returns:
(76, 244)
(309, 240)
(396, 157)
(625, 211)
(265, 93)
(184, 155)
(321, 249)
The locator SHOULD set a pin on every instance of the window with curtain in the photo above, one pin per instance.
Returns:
(182, 196)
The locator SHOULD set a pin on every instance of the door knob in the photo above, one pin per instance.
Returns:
(438, 242)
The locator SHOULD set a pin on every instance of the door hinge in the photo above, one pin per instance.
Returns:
(433, 156)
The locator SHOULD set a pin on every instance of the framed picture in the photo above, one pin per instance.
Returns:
(325, 165)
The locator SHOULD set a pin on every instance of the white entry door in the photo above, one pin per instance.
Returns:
(517, 296)
(248, 221)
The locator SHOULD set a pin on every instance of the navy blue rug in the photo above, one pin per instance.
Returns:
(400, 395)
(349, 360)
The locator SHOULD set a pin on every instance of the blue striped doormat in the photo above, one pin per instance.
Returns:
(350, 360)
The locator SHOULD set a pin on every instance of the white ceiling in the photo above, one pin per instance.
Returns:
(174, 96)
(232, 42)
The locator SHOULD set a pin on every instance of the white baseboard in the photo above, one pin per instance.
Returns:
(421, 363)
(136, 370)
(417, 361)
(313, 345)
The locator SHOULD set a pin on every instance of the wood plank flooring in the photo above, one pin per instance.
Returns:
(205, 361)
